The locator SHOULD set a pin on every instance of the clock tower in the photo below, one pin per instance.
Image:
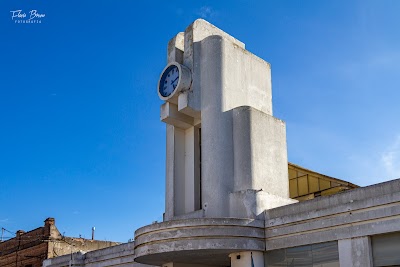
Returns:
(226, 159)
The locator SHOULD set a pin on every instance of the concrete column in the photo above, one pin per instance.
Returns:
(174, 54)
(243, 259)
(355, 252)
(169, 173)
(175, 49)
(216, 128)
(179, 172)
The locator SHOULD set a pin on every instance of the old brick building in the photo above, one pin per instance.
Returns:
(29, 249)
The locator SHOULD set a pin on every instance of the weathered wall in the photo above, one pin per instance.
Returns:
(355, 252)
(356, 213)
(67, 245)
(24, 256)
(26, 248)
(120, 255)
(42, 243)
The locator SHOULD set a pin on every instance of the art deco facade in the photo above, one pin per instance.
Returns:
(229, 201)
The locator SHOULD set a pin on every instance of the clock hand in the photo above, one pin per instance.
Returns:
(174, 80)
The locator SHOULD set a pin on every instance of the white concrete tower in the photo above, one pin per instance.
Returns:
(226, 153)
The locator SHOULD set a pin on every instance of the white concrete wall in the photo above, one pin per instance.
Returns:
(244, 148)
(190, 101)
(356, 213)
(260, 157)
(217, 129)
(355, 252)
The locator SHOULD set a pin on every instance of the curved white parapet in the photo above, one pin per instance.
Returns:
(201, 241)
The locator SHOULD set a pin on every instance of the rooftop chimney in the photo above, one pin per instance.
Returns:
(19, 233)
(49, 221)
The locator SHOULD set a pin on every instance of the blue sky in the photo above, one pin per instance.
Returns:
(80, 135)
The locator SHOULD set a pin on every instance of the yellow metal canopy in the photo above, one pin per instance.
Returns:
(305, 184)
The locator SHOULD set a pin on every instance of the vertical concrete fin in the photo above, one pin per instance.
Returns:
(175, 49)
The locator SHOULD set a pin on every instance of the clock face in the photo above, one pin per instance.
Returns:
(169, 81)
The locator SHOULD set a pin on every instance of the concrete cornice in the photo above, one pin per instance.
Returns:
(193, 239)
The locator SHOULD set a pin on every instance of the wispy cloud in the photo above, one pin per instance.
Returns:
(390, 158)
(362, 163)
(4, 220)
(206, 12)
(384, 59)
